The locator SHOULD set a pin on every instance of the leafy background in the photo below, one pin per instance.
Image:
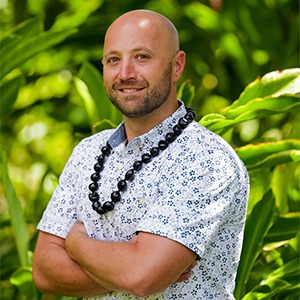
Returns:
(52, 96)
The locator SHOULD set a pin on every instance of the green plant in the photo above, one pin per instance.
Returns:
(51, 97)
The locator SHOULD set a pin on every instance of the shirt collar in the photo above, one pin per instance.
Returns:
(152, 137)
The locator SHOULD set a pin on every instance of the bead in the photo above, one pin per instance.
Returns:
(98, 167)
(122, 185)
(101, 159)
(191, 112)
(93, 197)
(95, 177)
(146, 158)
(108, 206)
(189, 118)
(115, 196)
(93, 186)
(162, 145)
(170, 137)
(137, 165)
(108, 145)
(183, 123)
(129, 174)
(105, 150)
(154, 151)
(98, 208)
(177, 130)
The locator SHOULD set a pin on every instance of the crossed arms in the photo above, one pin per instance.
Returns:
(81, 266)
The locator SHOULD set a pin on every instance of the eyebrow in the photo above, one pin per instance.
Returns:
(115, 52)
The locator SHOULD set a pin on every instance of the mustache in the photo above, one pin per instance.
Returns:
(130, 83)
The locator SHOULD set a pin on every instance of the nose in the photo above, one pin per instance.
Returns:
(127, 70)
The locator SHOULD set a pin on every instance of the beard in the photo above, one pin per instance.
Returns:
(136, 107)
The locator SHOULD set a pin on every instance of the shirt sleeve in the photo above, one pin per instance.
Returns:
(61, 212)
(200, 196)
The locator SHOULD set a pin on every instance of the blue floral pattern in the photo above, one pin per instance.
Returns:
(195, 192)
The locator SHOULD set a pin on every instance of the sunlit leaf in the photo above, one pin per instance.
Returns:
(9, 93)
(274, 84)
(256, 228)
(26, 29)
(17, 219)
(77, 14)
(103, 125)
(263, 107)
(88, 101)
(186, 92)
(203, 16)
(29, 47)
(22, 279)
(92, 78)
(269, 153)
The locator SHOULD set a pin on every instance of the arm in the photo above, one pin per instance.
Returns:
(55, 272)
(144, 266)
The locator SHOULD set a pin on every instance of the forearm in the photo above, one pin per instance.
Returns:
(56, 273)
(108, 270)
(128, 266)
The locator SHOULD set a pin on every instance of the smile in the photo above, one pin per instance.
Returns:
(130, 90)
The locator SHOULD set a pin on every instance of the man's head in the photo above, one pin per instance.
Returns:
(142, 62)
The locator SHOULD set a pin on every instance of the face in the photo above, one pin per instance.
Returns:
(138, 68)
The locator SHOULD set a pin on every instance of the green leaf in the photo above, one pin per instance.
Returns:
(284, 228)
(103, 125)
(9, 93)
(186, 92)
(88, 101)
(92, 78)
(274, 84)
(256, 228)
(77, 14)
(22, 279)
(26, 29)
(29, 47)
(291, 267)
(18, 223)
(269, 154)
(203, 16)
(263, 107)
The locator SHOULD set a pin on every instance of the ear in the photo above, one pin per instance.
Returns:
(179, 64)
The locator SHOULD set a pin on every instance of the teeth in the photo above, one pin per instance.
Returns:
(129, 90)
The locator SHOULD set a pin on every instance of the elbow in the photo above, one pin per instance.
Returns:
(142, 286)
(40, 280)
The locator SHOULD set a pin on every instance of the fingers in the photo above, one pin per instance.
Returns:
(187, 273)
(183, 277)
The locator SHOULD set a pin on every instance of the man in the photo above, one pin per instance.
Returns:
(137, 206)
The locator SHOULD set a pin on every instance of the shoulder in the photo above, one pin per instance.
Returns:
(95, 141)
(201, 149)
(89, 147)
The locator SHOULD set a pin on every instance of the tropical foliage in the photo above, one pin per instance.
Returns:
(241, 77)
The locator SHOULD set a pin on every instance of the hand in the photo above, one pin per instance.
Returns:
(78, 230)
(187, 273)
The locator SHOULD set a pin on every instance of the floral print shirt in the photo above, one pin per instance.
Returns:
(194, 192)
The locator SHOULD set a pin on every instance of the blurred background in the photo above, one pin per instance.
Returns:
(48, 45)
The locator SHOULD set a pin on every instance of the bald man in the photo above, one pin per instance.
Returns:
(153, 209)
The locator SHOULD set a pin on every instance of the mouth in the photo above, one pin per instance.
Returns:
(130, 90)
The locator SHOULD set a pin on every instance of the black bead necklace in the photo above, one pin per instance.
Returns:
(137, 165)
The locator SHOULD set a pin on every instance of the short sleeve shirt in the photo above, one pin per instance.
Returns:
(194, 192)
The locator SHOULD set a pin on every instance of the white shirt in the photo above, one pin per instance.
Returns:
(195, 192)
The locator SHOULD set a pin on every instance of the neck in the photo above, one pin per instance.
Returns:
(138, 126)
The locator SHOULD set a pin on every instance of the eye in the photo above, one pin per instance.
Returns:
(142, 56)
(112, 60)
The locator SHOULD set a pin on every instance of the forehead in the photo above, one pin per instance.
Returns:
(135, 34)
